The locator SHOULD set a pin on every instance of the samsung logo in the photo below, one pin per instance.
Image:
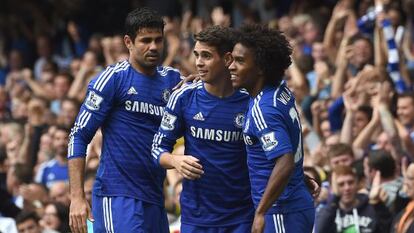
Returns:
(142, 107)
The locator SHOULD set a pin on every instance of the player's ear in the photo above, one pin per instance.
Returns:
(128, 42)
(228, 59)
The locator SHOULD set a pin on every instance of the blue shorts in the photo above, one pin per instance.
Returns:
(296, 222)
(124, 214)
(237, 228)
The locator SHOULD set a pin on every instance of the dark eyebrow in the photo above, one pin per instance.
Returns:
(238, 57)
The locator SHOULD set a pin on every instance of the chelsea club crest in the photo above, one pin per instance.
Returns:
(166, 95)
(239, 120)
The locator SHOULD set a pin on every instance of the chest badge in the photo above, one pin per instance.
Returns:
(166, 93)
(239, 120)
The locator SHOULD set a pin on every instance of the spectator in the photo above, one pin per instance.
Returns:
(382, 161)
(362, 53)
(59, 192)
(56, 217)
(403, 221)
(57, 168)
(340, 155)
(45, 52)
(61, 85)
(35, 196)
(89, 67)
(17, 175)
(405, 113)
(28, 222)
(350, 211)
(68, 110)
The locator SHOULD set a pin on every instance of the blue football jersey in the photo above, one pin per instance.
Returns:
(50, 172)
(272, 128)
(212, 129)
(128, 106)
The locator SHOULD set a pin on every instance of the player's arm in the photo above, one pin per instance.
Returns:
(275, 140)
(187, 165)
(192, 78)
(79, 208)
(313, 185)
(277, 182)
(170, 130)
(91, 115)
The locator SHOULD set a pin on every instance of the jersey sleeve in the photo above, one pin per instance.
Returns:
(40, 173)
(95, 108)
(171, 127)
(272, 131)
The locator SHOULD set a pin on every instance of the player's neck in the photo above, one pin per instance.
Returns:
(256, 89)
(221, 88)
(148, 71)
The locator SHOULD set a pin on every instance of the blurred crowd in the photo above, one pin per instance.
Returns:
(352, 74)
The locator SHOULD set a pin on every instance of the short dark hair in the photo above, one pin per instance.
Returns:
(407, 95)
(63, 128)
(340, 149)
(367, 110)
(219, 37)
(344, 171)
(382, 161)
(360, 36)
(26, 215)
(271, 50)
(142, 18)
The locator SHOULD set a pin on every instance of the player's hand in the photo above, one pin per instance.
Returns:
(190, 78)
(313, 186)
(79, 211)
(258, 223)
(188, 166)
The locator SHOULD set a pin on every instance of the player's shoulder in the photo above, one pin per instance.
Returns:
(168, 71)
(111, 72)
(184, 93)
(274, 100)
(280, 97)
(241, 96)
(188, 89)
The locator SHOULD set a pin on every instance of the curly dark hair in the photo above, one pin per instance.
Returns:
(219, 37)
(142, 18)
(271, 50)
